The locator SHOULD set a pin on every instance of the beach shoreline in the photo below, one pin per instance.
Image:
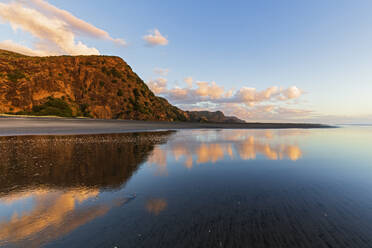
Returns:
(19, 126)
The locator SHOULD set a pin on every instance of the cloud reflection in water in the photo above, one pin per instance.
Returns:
(200, 148)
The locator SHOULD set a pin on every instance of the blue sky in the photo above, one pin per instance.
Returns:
(323, 48)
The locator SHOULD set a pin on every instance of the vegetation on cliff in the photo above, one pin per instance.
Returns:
(53, 106)
(102, 87)
(93, 86)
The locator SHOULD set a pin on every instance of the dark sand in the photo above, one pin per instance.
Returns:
(10, 126)
(78, 191)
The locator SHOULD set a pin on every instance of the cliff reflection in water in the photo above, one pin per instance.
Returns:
(52, 185)
(99, 161)
(212, 146)
(55, 181)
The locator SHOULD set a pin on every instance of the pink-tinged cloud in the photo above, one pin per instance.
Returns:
(251, 95)
(54, 37)
(188, 81)
(204, 91)
(158, 86)
(161, 71)
(76, 24)
(246, 103)
(155, 38)
(55, 30)
(291, 93)
(209, 90)
(13, 46)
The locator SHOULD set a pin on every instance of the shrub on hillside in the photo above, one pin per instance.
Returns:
(15, 75)
(53, 106)
(120, 92)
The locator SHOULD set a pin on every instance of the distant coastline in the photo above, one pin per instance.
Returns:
(15, 126)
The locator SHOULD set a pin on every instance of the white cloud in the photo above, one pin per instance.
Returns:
(55, 30)
(188, 81)
(158, 86)
(292, 92)
(155, 38)
(209, 90)
(76, 24)
(247, 103)
(251, 95)
(54, 37)
(203, 92)
(181, 94)
(161, 71)
(12, 46)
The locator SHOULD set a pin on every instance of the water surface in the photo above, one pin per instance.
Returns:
(191, 188)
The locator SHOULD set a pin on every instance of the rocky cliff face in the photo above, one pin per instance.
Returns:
(94, 86)
(208, 116)
(102, 87)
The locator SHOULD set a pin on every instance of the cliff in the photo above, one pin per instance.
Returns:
(102, 87)
(208, 116)
(93, 86)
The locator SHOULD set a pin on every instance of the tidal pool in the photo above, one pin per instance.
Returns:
(190, 188)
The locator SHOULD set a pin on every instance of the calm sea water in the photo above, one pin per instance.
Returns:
(192, 188)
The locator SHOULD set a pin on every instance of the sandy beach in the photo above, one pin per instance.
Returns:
(10, 126)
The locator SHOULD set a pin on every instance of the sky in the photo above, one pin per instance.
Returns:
(287, 60)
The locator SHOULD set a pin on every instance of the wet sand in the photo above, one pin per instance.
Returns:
(10, 126)
(191, 188)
